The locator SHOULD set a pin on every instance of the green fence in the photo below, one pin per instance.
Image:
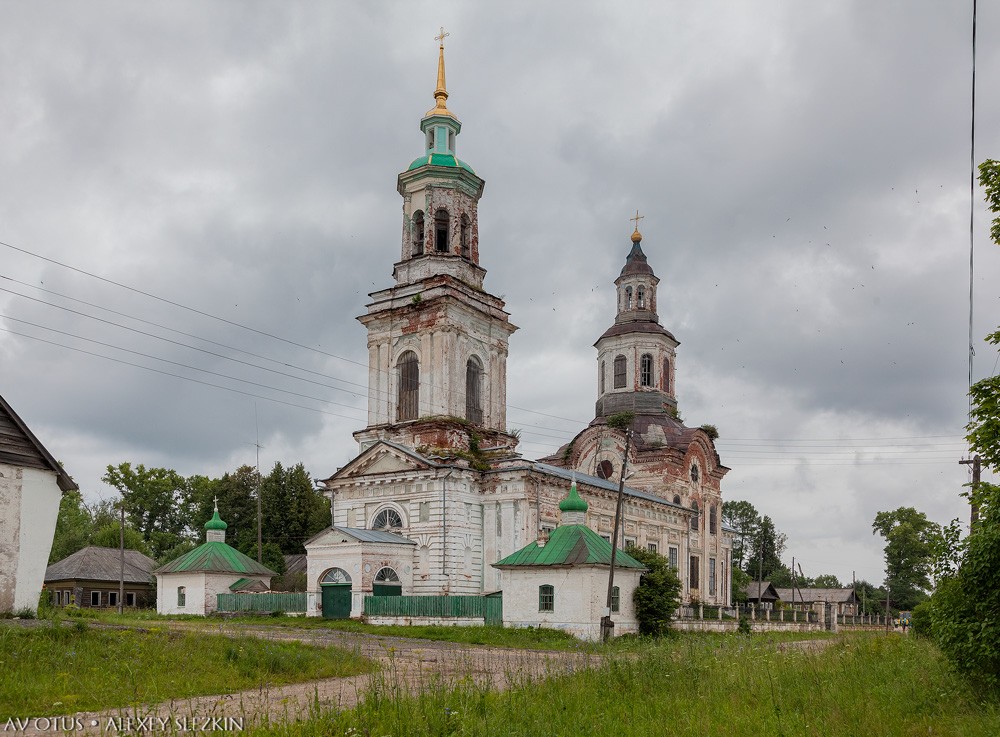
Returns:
(270, 602)
(487, 608)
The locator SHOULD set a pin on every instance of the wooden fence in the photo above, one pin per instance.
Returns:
(269, 602)
(488, 608)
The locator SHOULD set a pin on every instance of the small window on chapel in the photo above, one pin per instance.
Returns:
(546, 598)
(628, 298)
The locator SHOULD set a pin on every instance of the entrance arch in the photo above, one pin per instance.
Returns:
(335, 585)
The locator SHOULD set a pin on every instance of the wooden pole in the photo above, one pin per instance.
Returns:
(121, 575)
(607, 626)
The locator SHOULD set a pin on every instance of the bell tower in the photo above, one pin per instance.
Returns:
(437, 341)
(635, 356)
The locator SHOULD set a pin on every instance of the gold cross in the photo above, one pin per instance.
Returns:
(637, 218)
(442, 36)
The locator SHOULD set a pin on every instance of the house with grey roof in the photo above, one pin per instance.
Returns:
(191, 584)
(31, 486)
(843, 601)
(91, 577)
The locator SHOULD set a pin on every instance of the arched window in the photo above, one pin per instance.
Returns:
(335, 575)
(387, 519)
(181, 596)
(441, 231)
(465, 234)
(387, 575)
(430, 140)
(473, 391)
(619, 372)
(677, 498)
(628, 298)
(640, 298)
(666, 375)
(409, 386)
(616, 597)
(694, 517)
(546, 598)
(601, 377)
(711, 520)
(695, 473)
(387, 583)
(646, 370)
(418, 233)
(605, 469)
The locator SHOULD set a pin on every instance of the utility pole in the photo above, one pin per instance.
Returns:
(793, 582)
(977, 467)
(607, 626)
(121, 550)
(260, 524)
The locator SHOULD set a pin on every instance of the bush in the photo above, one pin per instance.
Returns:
(920, 619)
(658, 595)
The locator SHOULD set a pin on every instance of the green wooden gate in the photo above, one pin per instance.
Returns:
(336, 601)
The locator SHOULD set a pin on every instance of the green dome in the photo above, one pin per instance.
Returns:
(573, 502)
(439, 160)
(216, 522)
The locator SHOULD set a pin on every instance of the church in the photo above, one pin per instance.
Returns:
(438, 492)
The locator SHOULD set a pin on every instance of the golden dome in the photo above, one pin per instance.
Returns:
(636, 236)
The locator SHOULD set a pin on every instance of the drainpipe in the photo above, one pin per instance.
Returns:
(444, 530)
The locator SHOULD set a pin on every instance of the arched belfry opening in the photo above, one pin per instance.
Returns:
(465, 235)
(418, 233)
(474, 391)
(441, 231)
(408, 404)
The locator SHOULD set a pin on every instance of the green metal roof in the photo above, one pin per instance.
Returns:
(570, 545)
(439, 160)
(215, 557)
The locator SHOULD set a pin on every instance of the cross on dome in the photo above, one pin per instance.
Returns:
(636, 235)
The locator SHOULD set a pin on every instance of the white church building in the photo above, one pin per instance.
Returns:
(438, 474)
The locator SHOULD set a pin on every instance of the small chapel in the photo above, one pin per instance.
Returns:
(438, 493)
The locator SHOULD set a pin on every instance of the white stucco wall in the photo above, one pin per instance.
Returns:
(166, 593)
(29, 507)
(361, 561)
(580, 598)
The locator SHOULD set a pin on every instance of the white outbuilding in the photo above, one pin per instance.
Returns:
(562, 582)
(31, 486)
(191, 584)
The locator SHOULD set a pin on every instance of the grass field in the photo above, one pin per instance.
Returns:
(709, 685)
(51, 670)
(535, 639)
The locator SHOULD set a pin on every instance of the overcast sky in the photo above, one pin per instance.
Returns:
(803, 170)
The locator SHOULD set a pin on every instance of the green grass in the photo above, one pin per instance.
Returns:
(723, 685)
(51, 669)
(509, 637)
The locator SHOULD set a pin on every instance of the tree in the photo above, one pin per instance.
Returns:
(744, 518)
(109, 536)
(156, 503)
(658, 595)
(909, 554)
(768, 546)
(73, 526)
(827, 581)
(293, 511)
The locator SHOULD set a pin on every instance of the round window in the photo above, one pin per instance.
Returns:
(605, 469)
